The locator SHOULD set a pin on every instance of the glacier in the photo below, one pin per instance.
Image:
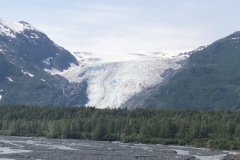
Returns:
(111, 82)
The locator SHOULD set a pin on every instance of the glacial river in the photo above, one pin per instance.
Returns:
(34, 148)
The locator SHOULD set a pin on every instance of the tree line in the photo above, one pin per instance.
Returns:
(200, 128)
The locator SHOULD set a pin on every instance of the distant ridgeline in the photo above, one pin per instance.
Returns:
(201, 128)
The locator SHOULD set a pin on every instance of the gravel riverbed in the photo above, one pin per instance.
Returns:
(34, 148)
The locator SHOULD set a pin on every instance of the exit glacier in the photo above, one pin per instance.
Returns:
(112, 81)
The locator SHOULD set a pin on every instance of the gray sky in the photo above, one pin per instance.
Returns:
(123, 26)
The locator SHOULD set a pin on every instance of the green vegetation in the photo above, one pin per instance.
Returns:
(201, 128)
(210, 80)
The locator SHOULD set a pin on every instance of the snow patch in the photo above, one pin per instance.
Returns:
(34, 36)
(54, 71)
(47, 61)
(21, 26)
(2, 51)
(27, 73)
(0, 97)
(43, 80)
(5, 30)
(10, 79)
(199, 48)
(11, 29)
(235, 38)
(187, 54)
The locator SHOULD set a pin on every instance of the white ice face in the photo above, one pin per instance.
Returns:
(111, 84)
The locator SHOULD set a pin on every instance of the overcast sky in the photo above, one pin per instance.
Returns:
(123, 26)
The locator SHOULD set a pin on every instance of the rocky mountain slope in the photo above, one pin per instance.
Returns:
(36, 71)
(210, 80)
(25, 54)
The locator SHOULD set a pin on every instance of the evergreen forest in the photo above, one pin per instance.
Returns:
(201, 128)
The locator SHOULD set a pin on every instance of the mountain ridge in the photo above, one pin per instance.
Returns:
(209, 80)
(36, 71)
(25, 54)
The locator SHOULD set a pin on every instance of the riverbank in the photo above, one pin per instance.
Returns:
(23, 148)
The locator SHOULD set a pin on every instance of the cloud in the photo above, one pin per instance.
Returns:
(139, 39)
(99, 14)
(121, 28)
(128, 38)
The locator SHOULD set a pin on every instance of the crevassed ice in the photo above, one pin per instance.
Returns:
(112, 84)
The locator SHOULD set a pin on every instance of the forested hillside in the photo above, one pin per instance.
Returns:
(212, 129)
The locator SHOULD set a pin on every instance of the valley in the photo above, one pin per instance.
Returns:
(32, 60)
(112, 84)
(119, 80)
(30, 74)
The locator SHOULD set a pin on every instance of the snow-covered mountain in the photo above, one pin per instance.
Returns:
(25, 54)
(36, 71)
(22, 41)
(112, 80)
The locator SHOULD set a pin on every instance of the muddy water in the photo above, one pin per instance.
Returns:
(21, 148)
